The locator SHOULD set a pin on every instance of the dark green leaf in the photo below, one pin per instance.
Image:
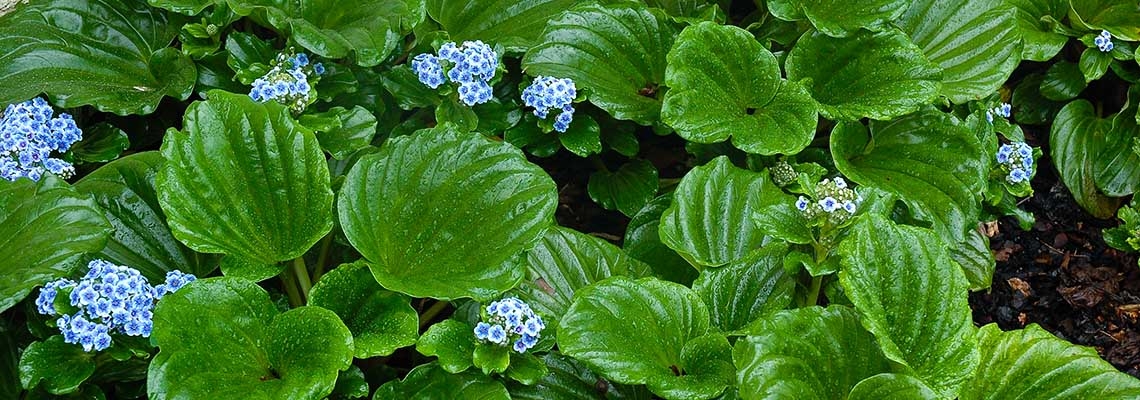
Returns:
(101, 143)
(451, 341)
(380, 321)
(1094, 64)
(839, 18)
(584, 137)
(892, 386)
(976, 259)
(1040, 41)
(1073, 143)
(430, 382)
(340, 131)
(515, 24)
(110, 54)
(747, 289)
(567, 379)
(409, 92)
(878, 75)
(1118, 17)
(616, 53)
(1063, 81)
(244, 179)
(439, 213)
(1029, 106)
(642, 242)
(248, 56)
(1118, 163)
(451, 111)
(628, 189)
(350, 384)
(526, 368)
(61, 367)
(188, 7)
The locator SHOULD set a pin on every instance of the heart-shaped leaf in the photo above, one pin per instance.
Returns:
(879, 75)
(709, 221)
(635, 331)
(617, 53)
(1074, 140)
(934, 162)
(452, 342)
(912, 296)
(643, 242)
(628, 189)
(1118, 17)
(977, 43)
(839, 18)
(244, 179)
(125, 190)
(440, 213)
(892, 386)
(380, 321)
(429, 381)
(565, 261)
(45, 227)
(806, 353)
(723, 83)
(1063, 81)
(110, 54)
(1040, 42)
(1031, 364)
(515, 24)
(747, 289)
(60, 367)
(583, 138)
(101, 143)
(224, 338)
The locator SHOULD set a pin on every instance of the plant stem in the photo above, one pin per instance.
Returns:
(322, 258)
(302, 275)
(431, 312)
(289, 283)
(599, 164)
(813, 290)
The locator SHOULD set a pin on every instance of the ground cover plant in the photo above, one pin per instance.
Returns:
(553, 199)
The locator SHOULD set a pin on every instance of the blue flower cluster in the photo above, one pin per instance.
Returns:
(547, 93)
(510, 320)
(1016, 160)
(109, 299)
(471, 66)
(28, 135)
(288, 82)
(1103, 41)
(837, 201)
(1004, 110)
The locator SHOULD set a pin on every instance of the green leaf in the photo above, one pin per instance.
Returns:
(911, 296)
(707, 370)
(439, 213)
(565, 261)
(237, 267)
(515, 24)
(934, 162)
(566, 379)
(369, 30)
(839, 18)
(976, 42)
(1031, 364)
(248, 56)
(491, 358)
(380, 321)
(643, 243)
(1073, 141)
(125, 191)
(616, 53)
(45, 228)
(406, 87)
(584, 137)
(350, 384)
(892, 386)
(101, 143)
(878, 75)
(188, 7)
(1094, 64)
(1029, 106)
(60, 367)
(1040, 41)
(244, 179)
(1063, 81)
(723, 83)
(1117, 162)
(628, 189)
(976, 259)
(806, 353)
(747, 289)
(783, 221)
(452, 342)
(526, 368)
(1118, 17)
(341, 131)
(634, 332)
(429, 382)
(108, 54)
(224, 338)
(451, 111)
(709, 221)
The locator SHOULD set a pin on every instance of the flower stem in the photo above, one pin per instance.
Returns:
(322, 258)
(431, 312)
(813, 290)
(302, 274)
(289, 283)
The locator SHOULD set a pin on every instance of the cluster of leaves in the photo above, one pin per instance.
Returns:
(329, 237)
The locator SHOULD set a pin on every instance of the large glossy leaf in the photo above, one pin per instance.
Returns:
(912, 296)
(839, 18)
(892, 386)
(617, 53)
(110, 54)
(515, 24)
(1121, 18)
(224, 338)
(977, 43)
(369, 30)
(807, 353)
(976, 259)
(1031, 363)
(244, 179)
(643, 242)
(724, 83)
(56, 366)
(934, 162)
(636, 332)
(1040, 42)
(45, 227)
(877, 75)
(125, 190)
(709, 221)
(747, 289)
(439, 213)
(429, 382)
(1118, 163)
(188, 7)
(565, 261)
(1073, 143)
(566, 380)
(380, 321)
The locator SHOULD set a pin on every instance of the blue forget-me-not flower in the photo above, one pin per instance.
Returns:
(1002, 110)
(836, 202)
(109, 299)
(1103, 41)
(28, 136)
(548, 93)
(470, 66)
(1016, 161)
(290, 82)
(511, 322)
